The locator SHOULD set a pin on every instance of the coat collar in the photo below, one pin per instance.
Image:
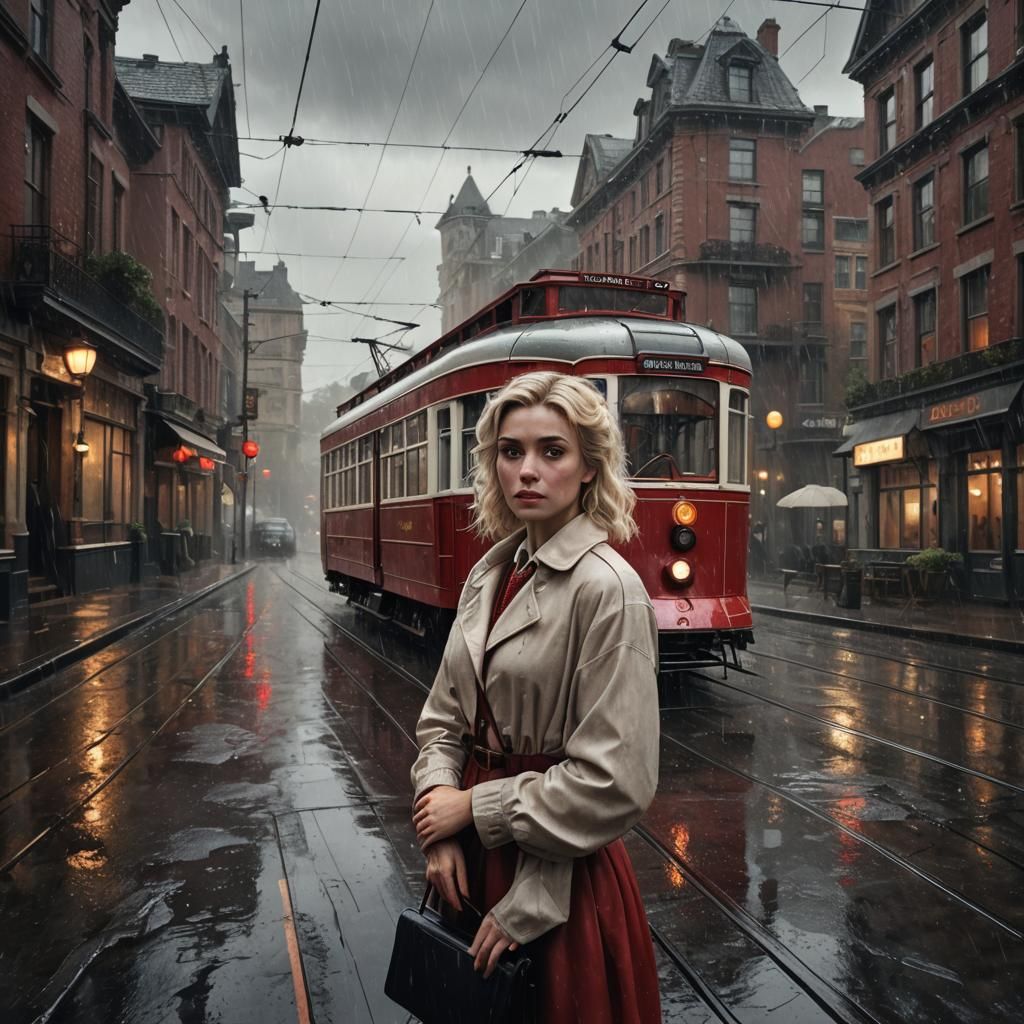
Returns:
(560, 553)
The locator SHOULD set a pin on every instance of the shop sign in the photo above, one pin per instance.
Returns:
(968, 407)
(820, 423)
(888, 449)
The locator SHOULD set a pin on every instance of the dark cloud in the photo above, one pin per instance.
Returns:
(358, 66)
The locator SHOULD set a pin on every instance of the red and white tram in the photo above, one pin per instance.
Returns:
(396, 463)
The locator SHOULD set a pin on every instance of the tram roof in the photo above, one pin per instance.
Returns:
(562, 340)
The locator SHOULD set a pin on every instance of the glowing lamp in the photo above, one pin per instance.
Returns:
(81, 446)
(181, 454)
(774, 419)
(79, 358)
(684, 513)
(250, 449)
(679, 571)
(205, 463)
(266, 473)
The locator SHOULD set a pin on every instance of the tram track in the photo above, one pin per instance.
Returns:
(838, 1006)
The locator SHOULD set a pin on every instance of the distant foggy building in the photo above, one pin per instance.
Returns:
(482, 254)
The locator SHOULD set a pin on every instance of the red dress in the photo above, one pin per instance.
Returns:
(598, 967)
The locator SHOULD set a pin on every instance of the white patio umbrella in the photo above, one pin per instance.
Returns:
(814, 496)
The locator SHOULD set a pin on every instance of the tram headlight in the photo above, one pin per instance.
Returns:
(684, 513)
(683, 538)
(680, 571)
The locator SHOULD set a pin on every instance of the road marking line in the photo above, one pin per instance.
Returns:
(301, 1002)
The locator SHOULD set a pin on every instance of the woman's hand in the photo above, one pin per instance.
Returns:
(442, 812)
(446, 871)
(489, 944)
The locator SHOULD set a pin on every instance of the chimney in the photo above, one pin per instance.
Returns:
(821, 110)
(221, 59)
(768, 36)
(149, 59)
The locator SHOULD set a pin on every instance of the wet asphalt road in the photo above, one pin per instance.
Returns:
(838, 834)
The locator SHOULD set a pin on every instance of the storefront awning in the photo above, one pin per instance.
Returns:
(202, 445)
(894, 424)
(988, 402)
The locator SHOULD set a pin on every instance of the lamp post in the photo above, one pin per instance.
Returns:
(250, 449)
(79, 360)
(773, 420)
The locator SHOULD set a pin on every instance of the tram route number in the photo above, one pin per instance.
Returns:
(664, 364)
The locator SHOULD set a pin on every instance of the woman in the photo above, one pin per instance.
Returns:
(539, 740)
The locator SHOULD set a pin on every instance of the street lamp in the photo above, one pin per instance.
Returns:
(79, 358)
(774, 420)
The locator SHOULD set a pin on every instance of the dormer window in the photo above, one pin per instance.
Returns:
(740, 82)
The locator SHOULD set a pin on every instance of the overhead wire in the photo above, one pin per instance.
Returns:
(192, 22)
(160, 8)
(245, 84)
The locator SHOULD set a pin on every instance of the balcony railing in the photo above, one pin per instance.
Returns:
(44, 260)
(721, 250)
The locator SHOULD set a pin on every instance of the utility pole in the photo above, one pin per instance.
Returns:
(245, 420)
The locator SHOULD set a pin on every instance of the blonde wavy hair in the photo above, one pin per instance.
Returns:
(608, 499)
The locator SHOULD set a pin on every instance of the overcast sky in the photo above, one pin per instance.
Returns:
(360, 59)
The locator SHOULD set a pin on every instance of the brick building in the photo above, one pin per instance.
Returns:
(935, 453)
(70, 455)
(483, 254)
(739, 194)
(179, 195)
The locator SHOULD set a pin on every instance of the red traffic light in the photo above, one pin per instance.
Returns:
(181, 454)
(250, 449)
(266, 472)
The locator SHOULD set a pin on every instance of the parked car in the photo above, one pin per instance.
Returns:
(273, 537)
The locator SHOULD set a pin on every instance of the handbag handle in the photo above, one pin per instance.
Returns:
(465, 902)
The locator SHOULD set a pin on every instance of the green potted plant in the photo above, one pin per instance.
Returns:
(933, 566)
(137, 532)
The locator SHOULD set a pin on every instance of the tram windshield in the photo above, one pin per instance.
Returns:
(669, 426)
(580, 299)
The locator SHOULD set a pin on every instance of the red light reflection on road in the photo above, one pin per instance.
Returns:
(680, 846)
(850, 849)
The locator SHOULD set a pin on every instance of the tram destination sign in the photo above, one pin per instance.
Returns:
(646, 283)
(670, 364)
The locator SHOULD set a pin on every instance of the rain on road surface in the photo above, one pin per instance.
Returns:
(838, 833)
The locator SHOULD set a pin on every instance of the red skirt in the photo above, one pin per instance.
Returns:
(598, 967)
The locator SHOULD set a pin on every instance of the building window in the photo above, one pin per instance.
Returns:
(976, 183)
(659, 177)
(907, 506)
(888, 355)
(742, 309)
(857, 156)
(843, 272)
(812, 231)
(39, 27)
(974, 39)
(858, 340)
(37, 173)
(985, 501)
(974, 289)
(924, 89)
(645, 245)
(924, 211)
(117, 215)
(94, 206)
(813, 188)
(886, 121)
(660, 242)
(860, 277)
(813, 307)
(885, 218)
(850, 229)
(107, 479)
(632, 203)
(88, 75)
(186, 259)
(742, 224)
(632, 253)
(175, 244)
(645, 189)
(924, 327)
(812, 378)
(742, 162)
(740, 82)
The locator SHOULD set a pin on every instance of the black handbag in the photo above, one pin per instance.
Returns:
(431, 975)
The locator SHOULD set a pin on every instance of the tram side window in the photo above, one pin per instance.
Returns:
(738, 427)
(669, 426)
(444, 448)
(403, 457)
(532, 301)
(332, 464)
(416, 454)
(472, 409)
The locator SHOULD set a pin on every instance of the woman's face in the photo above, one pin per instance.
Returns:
(541, 469)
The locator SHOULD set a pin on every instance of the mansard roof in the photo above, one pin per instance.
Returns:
(601, 155)
(880, 20)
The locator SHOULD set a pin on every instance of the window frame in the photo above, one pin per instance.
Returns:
(925, 330)
(886, 120)
(923, 216)
(750, 327)
(888, 342)
(738, 148)
(811, 217)
(95, 178)
(968, 61)
(975, 194)
(860, 355)
(38, 171)
(813, 300)
(843, 280)
(924, 101)
(860, 272)
(734, 228)
(811, 358)
(978, 280)
(742, 72)
(885, 209)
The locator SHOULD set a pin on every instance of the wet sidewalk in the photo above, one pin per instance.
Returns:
(994, 627)
(58, 632)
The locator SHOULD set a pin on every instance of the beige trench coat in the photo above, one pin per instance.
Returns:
(571, 671)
